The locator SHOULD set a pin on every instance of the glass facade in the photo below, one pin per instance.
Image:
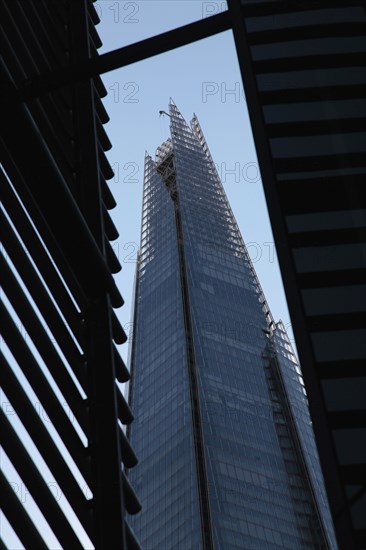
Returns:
(222, 430)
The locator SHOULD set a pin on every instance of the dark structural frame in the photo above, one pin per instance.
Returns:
(57, 201)
(56, 231)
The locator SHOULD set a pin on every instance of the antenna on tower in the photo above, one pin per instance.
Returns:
(164, 113)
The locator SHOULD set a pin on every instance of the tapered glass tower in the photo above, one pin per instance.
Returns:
(222, 429)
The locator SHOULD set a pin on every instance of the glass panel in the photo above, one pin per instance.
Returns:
(340, 219)
(350, 445)
(329, 258)
(330, 144)
(358, 512)
(339, 345)
(302, 48)
(339, 299)
(345, 394)
(317, 110)
(302, 18)
(311, 79)
(336, 172)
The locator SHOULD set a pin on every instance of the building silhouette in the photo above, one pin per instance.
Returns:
(222, 429)
(59, 358)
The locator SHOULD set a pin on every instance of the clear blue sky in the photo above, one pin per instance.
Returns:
(202, 78)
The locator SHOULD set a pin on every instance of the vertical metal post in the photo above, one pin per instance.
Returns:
(337, 501)
(104, 448)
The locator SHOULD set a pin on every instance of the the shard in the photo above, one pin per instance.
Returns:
(227, 456)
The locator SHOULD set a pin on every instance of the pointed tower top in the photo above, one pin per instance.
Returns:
(148, 157)
(178, 123)
(173, 109)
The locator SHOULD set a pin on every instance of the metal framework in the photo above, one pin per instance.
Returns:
(56, 205)
(60, 330)
(325, 187)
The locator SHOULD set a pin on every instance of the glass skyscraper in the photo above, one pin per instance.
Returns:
(227, 456)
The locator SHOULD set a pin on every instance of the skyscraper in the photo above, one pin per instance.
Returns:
(222, 429)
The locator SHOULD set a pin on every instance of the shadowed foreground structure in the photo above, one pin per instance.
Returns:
(60, 361)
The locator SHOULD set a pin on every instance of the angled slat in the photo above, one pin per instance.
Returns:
(35, 214)
(37, 486)
(119, 335)
(44, 392)
(129, 458)
(45, 445)
(112, 260)
(131, 539)
(47, 269)
(90, 268)
(122, 373)
(124, 412)
(18, 517)
(41, 340)
(42, 300)
(110, 229)
(132, 503)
